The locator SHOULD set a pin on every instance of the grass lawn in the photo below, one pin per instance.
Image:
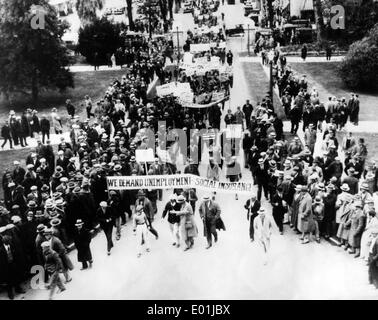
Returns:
(92, 83)
(254, 74)
(324, 77)
(370, 141)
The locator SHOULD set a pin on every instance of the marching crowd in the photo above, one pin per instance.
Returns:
(61, 197)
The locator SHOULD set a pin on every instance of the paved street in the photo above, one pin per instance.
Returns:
(231, 269)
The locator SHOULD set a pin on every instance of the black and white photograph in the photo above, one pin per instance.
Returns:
(180, 150)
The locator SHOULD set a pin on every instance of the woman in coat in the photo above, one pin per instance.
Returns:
(82, 239)
(188, 226)
(357, 226)
(344, 210)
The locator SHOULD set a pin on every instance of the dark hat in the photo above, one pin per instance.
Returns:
(39, 214)
(41, 228)
(141, 193)
(76, 190)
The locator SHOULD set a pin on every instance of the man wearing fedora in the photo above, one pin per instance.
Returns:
(60, 249)
(306, 215)
(105, 218)
(148, 209)
(252, 206)
(279, 208)
(187, 224)
(53, 265)
(263, 228)
(10, 266)
(82, 240)
(209, 212)
(262, 179)
(351, 181)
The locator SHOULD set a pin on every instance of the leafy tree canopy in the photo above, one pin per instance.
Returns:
(32, 59)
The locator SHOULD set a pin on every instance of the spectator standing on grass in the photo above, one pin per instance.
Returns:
(88, 107)
(45, 128)
(56, 121)
(304, 52)
(6, 135)
(70, 108)
(328, 52)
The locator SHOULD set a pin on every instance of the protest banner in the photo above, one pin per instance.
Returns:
(234, 131)
(184, 181)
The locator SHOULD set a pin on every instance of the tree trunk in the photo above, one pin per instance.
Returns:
(270, 13)
(35, 89)
(163, 9)
(319, 20)
(130, 14)
(170, 9)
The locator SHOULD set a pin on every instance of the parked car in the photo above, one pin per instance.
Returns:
(237, 29)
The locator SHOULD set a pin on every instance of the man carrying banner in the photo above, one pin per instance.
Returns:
(148, 210)
(210, 212)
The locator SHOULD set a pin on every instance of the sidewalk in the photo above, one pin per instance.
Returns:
(89, 68)
(296, 59)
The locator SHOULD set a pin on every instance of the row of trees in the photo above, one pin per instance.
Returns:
(33, 57)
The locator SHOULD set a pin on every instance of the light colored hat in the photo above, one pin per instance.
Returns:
(173, 197)
(345, 187)
(30, 166)
(79, 222)
(180, 199)
(16, 219)
(45, 244)
(103, 204)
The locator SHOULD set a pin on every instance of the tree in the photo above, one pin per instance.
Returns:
(129, 9)
(359, 70)
(319, 20)
(32, 53)
(99, 39)
(87, 9)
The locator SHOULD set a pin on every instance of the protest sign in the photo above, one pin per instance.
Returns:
(183, 181)
(144, 155)
(234, 131)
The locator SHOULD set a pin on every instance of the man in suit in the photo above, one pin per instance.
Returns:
(262, 179)
(9, 264)
(60, 249)
(252, 206)
(373, 259)
(264, 226)
(105, 218)
(310, 137)
(351, 181)
(209, 212)
(279, 208)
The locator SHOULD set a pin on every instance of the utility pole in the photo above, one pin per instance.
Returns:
(271, 80)
(178, 43)
(248, 38)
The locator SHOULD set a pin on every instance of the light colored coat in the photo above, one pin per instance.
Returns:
(263, 230)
